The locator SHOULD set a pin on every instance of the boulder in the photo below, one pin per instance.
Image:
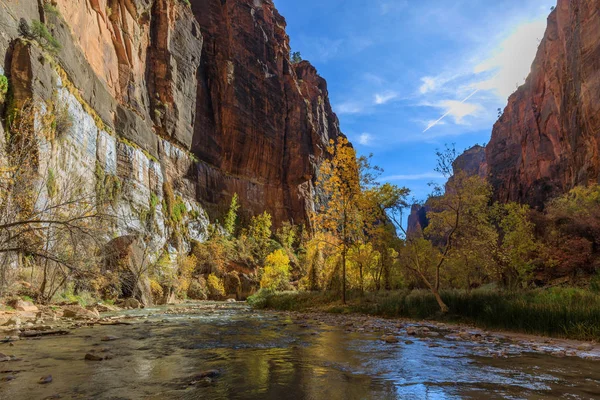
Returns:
(22, 305)
(80, 313)
(131, 303)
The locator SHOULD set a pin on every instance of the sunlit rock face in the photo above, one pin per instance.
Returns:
(204, 95)
(548, 138)
(262, 123)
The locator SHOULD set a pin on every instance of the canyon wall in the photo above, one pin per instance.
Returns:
(547, 140)
(199, 97)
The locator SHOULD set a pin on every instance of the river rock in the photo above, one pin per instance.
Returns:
(211, 373)
(389, 339)
(131, 303)
(93, 357)
(109, 338)
(585, 347)
(13, 321)
(80, 313)
(22, 305)
(45, 379)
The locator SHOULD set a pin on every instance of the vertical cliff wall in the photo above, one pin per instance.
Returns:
(547, 140)
(202, 99)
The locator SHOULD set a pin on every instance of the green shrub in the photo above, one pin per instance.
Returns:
(39, 32)
(3, 88)
(563, 312)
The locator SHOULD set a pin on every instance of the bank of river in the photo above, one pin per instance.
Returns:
(229, 351)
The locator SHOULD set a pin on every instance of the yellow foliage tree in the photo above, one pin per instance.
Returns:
(340, 191)
(277, 271)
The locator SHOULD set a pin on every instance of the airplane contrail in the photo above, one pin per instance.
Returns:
(449, 111)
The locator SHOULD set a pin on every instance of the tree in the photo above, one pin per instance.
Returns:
(231, 216)
(49, 217)
(295, 57)
(276, 273)
(339, 216)
(517, 245)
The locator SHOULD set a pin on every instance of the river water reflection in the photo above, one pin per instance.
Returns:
(268, 356)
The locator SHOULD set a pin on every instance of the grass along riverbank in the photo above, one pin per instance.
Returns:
(568, 313)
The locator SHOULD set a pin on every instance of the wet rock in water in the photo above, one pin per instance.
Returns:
(45, 380)
(93, 357)
(211, 373)
(412, 331)
(131, 303)
(389, 339)
(408, 342)
(8, 378)
(585, 347)
(230, 300)
(4, 357)
(432, 334)
(80, 313)
(109, 338)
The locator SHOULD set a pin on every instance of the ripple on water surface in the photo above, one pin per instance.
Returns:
(250, 355)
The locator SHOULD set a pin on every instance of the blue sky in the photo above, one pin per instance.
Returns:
(395, 67)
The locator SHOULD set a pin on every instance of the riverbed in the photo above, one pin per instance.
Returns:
(229, 351)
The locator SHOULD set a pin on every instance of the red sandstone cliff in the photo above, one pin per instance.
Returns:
(208, 91)
(262, 123)
(548, 138)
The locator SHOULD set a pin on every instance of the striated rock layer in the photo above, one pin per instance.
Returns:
(206, 94)
(547, 140)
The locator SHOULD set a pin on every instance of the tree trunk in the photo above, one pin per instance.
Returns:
(344, 274)
(443, 307)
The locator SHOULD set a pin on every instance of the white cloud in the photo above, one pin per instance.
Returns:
(431, 83)
(413, 177)
(511, 59)
(365, 139)
(349, 108)
(459, 110)
(382, 98)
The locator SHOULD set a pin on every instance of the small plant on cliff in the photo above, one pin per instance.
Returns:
(51, 10)
(39, 32)
(231, 217)
(295, 57)
(3, 88)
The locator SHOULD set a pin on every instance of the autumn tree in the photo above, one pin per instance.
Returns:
(276, 273)
(338, 219)
(48, 213)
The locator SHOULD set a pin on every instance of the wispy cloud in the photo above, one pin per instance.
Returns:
(349, 108)
(413, 177)
(365, 139)
(382, 98)
(457, 109)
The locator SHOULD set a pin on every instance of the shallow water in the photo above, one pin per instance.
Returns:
(269, 356)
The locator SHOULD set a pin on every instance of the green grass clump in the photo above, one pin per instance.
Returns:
(561, 312)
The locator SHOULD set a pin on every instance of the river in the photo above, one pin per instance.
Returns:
(229, 351)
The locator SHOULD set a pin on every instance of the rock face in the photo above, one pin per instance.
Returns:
(547, 140)
(261, 122)
(203, 100)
